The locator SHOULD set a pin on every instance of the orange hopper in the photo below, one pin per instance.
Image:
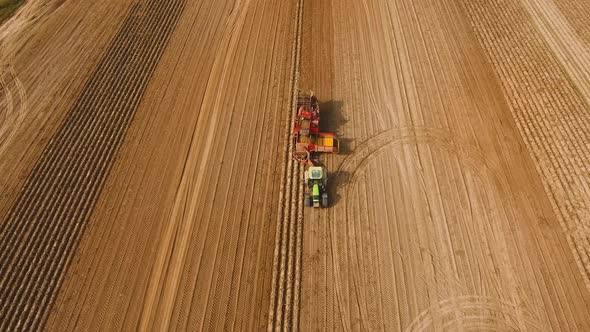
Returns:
(308, 141)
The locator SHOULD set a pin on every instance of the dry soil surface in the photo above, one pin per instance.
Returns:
(464, 123)
(146, 184)
(157, 191)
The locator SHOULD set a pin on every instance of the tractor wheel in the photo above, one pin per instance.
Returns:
(325, 200)
(307, 200)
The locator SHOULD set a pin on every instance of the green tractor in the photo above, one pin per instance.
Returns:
(316, 181)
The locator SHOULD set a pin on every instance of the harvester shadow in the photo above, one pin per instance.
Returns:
(332, 119)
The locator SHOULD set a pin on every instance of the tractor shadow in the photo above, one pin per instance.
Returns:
(336, 185)
(345, 144)
(333, 120)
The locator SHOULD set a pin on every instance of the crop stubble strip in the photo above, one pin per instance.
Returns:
(47, 219)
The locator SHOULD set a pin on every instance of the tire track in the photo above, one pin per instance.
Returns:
(13, 99)
(368, 149)
(244, 246)
(167, 272)
(255, 153)
(45, 224)
(478, 165)
(483, 311)
(482, 167)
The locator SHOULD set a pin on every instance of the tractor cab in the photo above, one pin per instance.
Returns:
(316, 173)
(316, 181)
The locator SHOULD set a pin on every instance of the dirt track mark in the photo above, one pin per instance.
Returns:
(367, 150)
(44, 225)
(13, 99)
(477, 312)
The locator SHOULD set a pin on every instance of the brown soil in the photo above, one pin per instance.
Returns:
(146, 181)
(182, 235)
(440, 218)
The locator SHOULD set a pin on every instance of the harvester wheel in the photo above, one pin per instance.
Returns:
(325, 200)
(307, 200)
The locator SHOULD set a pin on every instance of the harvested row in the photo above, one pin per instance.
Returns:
(286, 276)
(43, 227)
(549, 110)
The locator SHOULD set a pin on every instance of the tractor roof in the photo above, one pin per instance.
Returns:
(316, 172)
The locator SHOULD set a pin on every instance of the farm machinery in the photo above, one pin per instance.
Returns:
(308, 140)
(316, 181)
(308, 143)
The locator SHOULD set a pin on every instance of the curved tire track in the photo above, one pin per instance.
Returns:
(13, 100)
(481, 166)
(480, 311)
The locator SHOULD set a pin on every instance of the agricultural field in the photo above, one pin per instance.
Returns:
(7, 8)
(146, 178)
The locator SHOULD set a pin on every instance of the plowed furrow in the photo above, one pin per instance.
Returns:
(49, 215)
